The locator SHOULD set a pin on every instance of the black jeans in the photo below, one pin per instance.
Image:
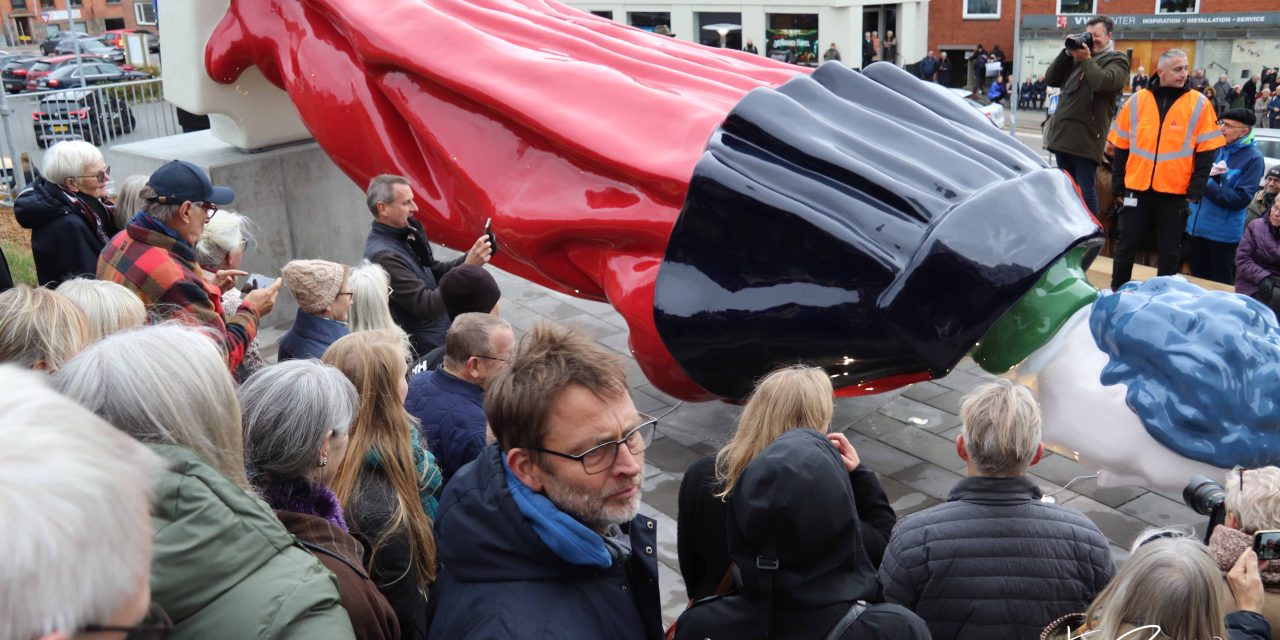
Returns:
(1212, 260)
(1085, 172)
(1168, 213)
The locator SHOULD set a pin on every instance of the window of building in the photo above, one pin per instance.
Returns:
(981, 9)
(144, 13)
(792, 37)
(1077, 7)
(729, 23)
(607, 15)
(1177, 6)
(19, 5)
(75, 3)
(656, 21)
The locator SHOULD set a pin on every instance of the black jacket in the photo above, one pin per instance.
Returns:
(700, 536)
(393, 569)
(64, 241)
(498, 579)
(6, 278)
(794, 536)
(994, 562)
(414, 272)
(1087, 104)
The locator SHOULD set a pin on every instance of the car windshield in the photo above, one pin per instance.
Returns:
(41, 66)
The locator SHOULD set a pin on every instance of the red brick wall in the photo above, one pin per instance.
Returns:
(946, 26)
(95, 12)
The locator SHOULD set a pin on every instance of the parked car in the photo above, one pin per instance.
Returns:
(14, 74)
(45, 66)
(90, 46)
(1269, 144)
(51, 43)
(993, 111)
(87, 74)
(81, 114)
(116, 38)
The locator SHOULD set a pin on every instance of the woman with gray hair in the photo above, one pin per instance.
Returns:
(219, 252)
(222, 564)
(1169, 589)
(296, 417)
(108, 307)
(129, 198)
(68, 212)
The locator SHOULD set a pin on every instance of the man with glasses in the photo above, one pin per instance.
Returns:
(77, 520)
(540, 535)
(449, 401)
(155, 257)
(1266, 197)
(1217, 222)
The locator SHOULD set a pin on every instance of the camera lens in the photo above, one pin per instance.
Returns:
(1203, 495)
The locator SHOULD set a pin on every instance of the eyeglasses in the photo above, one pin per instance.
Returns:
(155, 626)
(209, 210)
(101, 176)
(602, 456)
(346, 293)
(480, 355)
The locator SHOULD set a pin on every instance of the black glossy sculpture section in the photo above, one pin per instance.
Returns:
(871, 224)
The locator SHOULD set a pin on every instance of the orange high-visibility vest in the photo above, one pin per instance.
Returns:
(1162, 153)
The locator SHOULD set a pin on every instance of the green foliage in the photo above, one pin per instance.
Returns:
(21, 265)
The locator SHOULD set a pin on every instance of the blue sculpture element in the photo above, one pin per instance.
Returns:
(1202, 368)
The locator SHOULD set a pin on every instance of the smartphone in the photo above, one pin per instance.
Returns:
(256, 281)
(1267, 544)
(493, 241)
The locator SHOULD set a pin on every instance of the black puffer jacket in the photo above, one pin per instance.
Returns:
(794, 505)
(994, 562)
(65, 240)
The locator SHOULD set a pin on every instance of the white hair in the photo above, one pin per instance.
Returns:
(289, 410)
(75, 500)
(69, 159)
(1169, 55)
(1257, 503)
(108, 307)
(225, 233)
(370, 310)
(129, 198)
(1001, 427)
(166, 384)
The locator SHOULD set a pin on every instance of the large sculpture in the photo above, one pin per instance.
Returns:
(737, 212)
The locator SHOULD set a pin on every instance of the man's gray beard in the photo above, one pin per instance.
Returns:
(591, 510)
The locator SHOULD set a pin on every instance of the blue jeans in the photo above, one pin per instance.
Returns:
(1085, 172)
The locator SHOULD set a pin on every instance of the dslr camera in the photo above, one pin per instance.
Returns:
(1207, 498)
(1080, 41)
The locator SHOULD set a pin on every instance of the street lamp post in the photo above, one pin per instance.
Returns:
(1017, 67)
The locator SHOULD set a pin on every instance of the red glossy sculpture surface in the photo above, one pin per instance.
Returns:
(576, 134)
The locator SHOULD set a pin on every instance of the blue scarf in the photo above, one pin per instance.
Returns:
(569, 539)
(425, 469)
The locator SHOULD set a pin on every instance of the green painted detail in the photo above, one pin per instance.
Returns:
(1034, 319)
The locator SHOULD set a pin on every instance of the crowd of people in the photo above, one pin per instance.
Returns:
(407, 468)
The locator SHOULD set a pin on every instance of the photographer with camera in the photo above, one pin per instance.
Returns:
(1091, 74)
(1244, 515)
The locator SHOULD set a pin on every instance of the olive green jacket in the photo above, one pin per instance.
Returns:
(1090, 92)
(224, 567)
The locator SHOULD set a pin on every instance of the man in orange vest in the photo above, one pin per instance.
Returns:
(1166, 137)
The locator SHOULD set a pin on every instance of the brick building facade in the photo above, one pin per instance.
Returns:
(31, 21)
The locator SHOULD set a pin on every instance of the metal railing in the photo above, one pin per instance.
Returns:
(105, 115)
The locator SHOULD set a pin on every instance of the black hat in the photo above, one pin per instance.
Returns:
(1243, 116)
(1274, 172)
(179, 181)
(468, 288)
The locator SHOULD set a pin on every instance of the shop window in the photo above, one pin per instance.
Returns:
(981, 9)
(1177, 6)
(656, 21)
(793, 37)
(1077, 7)
(607, 15)
(730, 23)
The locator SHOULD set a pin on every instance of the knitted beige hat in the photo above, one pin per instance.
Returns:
(315, 283)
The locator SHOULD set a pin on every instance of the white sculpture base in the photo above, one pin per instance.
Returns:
(301, 205)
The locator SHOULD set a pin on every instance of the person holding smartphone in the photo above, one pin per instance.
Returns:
(1253, 506)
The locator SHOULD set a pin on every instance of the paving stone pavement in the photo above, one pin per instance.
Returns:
(907, 436)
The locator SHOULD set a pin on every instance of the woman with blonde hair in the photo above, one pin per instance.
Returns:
(1170, 589)
(795, 397)
(223, 566)
(370, 300)
(40, 329)
(108, 307)
(387, 482)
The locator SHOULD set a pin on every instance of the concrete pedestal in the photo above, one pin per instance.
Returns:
(300, 204)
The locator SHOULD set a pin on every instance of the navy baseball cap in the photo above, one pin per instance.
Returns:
(179, 181)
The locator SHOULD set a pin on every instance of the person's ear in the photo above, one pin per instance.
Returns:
(184, 211)
(525, 468)
(1232, 520)
(1039, 454)
(960, 450)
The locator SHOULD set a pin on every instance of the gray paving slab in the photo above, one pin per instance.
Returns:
(928, 446)
(1120, 528)
(1159, 511)
(918, 414)
(948, 401)
(922, 391)
(929, 479)
(878, 456)
(670, 455)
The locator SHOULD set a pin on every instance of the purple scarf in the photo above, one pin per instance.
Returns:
(302, 496)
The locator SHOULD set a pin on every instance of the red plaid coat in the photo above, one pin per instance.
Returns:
(165, 274)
